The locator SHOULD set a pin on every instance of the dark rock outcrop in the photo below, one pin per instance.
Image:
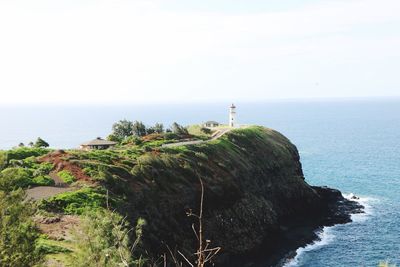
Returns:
(257, 207)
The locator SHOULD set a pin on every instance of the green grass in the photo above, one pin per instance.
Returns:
(56, 251)
(49, 246)
(196, 131)
(75, 202)
(43, 180)
(66, 176)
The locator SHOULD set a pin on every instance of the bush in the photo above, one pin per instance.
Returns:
(3, 160)
(14, 178)
(66, 176)
(103, 240)
(43, 180)
(170, 136)
(18, 233)
(25, 152)
(205, 130)
(42, 168)
(75, 202)
(46, 246)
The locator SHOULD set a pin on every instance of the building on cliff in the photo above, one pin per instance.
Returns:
(211, 124)
(98, 143)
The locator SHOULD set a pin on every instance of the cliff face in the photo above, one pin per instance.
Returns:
(256, 204)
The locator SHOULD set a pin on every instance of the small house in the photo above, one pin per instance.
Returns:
(211, 124)
(98, 143)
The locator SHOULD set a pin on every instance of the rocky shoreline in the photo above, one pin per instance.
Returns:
(298, 232)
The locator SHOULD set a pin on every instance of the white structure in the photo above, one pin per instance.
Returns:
(210, 124)
(232, 116)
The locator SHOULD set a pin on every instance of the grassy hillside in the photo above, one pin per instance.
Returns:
(252, 177)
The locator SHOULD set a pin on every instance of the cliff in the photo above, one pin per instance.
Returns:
(257, 206)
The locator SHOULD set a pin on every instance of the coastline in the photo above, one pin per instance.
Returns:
(341, 211)
(325, 235)
(298, 233)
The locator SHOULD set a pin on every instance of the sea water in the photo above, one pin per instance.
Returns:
(351, 145)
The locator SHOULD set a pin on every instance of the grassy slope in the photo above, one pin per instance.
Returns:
(252, 178)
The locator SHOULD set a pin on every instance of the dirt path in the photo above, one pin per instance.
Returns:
(215, 136)
(43, 192)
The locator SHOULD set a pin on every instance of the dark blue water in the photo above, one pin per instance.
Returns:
(350, 145)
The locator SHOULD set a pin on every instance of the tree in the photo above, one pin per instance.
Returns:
(41, 143)
(122, 129)
(138, 128)
(21, 145)
(103, 240)
(150, 130)
(114, 138)
(18, 233)
(31, 144)
(179, 129)
(158, 128)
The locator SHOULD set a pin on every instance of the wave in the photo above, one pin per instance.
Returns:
(366, 202)
(326, 235)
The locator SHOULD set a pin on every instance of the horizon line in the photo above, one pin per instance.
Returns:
(166, 103)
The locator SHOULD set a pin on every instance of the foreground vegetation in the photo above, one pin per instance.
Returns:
(104, 236)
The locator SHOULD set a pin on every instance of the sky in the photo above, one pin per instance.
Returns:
(182, 51)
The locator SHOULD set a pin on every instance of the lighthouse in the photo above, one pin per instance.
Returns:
(232, 116)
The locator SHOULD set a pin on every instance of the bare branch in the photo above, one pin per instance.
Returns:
(185, 258)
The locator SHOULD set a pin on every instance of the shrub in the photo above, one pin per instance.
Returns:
(42, 168)
(205, 130)
(46, 246)
(66, 176)
(18, 233)
(103, 240)
(114, 138)
(14, 178)
(75, 202)
(43, 180)
(3, 160)
(171, 136)
(25, 152)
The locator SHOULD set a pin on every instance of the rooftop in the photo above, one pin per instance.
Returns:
(211, 122)
(99, 142)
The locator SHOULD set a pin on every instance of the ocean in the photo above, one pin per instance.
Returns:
(352, 145)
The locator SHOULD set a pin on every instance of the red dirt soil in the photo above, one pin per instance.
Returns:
(60, 160)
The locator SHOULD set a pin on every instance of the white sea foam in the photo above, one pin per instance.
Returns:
(326, 236)
(366, 202)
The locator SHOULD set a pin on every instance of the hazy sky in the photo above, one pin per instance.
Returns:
(82, 51)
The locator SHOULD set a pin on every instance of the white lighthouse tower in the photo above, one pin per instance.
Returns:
(232, 116)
